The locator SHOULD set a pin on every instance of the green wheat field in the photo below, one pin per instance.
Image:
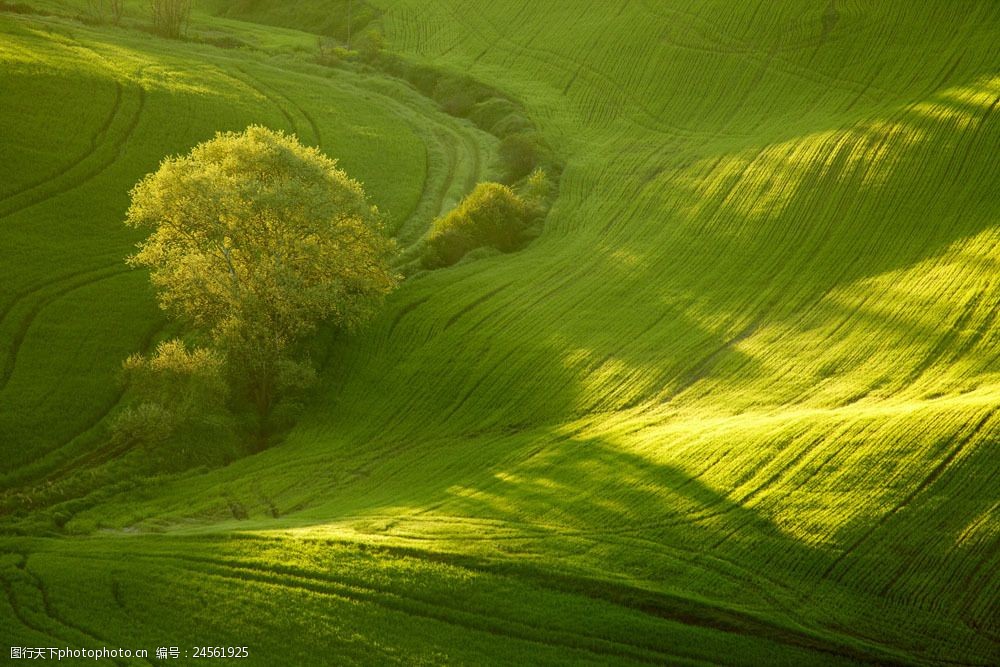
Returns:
(737, 403)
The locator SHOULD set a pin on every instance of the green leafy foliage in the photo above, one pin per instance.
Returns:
(255, 240)
(492, 215)
(177, 406)
(254, 229)
(488, 107)
(369, 44)
(456, 95)
(538, 189)
(183, 381)
(521, 153)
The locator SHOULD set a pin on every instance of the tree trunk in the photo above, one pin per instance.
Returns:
(263, 399)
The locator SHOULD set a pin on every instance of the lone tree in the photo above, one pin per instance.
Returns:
(255, 240)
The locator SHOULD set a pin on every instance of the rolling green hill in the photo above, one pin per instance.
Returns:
(738, 404)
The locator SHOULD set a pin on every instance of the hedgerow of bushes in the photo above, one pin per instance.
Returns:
(501, 216)
(522, 147)
(493, 215)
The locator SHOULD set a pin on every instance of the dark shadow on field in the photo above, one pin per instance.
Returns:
(937, 534)
(459, 357)
(573, 513)
(447, 395)
(398, 433)
(589, 489)
(582, 516)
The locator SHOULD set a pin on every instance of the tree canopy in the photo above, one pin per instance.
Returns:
(254, 240)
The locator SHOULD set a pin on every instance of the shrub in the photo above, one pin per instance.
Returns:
(186, 381)
(146, 424)
(521, 153)
(370, 44)
(330, 53)
(21, 8)
(492, 215)
(487, 113)
(489, 108)
(222, 41)
(117, 10)
(513, 123)
(104, 10)
(178, 397)
(537, 189)
(456, 95)
(422, 77)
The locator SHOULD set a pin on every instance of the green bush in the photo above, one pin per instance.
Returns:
(521, 153)
(330, 53)
(457, 95)
(486, 114)
(145, 424)
(490, 109)
(178, 410)
(421, 77)
(513, 123)
(170, 17)
(537, 190)
(370, 44)
(492, 215)
(21, 8)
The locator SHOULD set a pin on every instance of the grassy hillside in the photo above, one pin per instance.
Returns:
(738, 404)
(64, 196)
(331, 18)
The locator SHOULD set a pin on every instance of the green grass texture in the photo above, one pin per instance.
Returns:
(738, 403)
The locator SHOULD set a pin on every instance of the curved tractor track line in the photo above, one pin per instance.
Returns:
(60, 620)
(38, 287)
(446, 138)
(101, 454)
(21, 332)
(668, 607)
(450, 140)
(18, 608)
(274, 97)
(467, 620)
(41, 286)
(573, 68)
(696, 556)
(96, 140)
(411, 605)
(924, 484)
(71, 180)
(418, 607)
(91, 457)
(19, 614)
(453, 144)
(68, 629)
